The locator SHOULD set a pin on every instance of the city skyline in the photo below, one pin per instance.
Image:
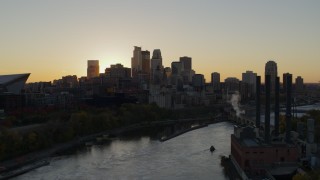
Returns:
(53, 39)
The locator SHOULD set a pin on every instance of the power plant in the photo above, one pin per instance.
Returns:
(260, 150)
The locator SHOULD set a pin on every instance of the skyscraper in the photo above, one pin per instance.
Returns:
(156, 61)
(145, 55)
(215, 80)
(272, 70)
(250, 78)
(187, 72)
(156, 66)
(284, 81)
(136, 61)
(187, 63)
(177, 68)
(93, 69)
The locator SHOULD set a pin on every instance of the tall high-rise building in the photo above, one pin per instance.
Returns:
(249, 77)
(187, 72)
(248, 85)
(156, 61)
(187, 63)
(284, 81)
(299, 84)
(93, 69)
(156, 66)
(215, 81)
(272, 70)
(136, 61)
(177, 68)
(145, 55)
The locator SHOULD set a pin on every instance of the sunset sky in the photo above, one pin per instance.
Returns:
(54, 38)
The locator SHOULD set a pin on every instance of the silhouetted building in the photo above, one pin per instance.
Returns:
(93, 69)
(187, 63)
(187, 71)
(284, 81)
(299, 84)
(13, 83)
(40, 87)
(248, 84)
(136, 61)
(255, 157)
(145, 62)
(215, 80)
(156, 66)
(272, 70)
(11, 97)
(177, 68)
(70, 81)
(231, 84)
(118, 71)
(198, 82)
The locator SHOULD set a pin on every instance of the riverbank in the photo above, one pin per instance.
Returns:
(182, 132)
(178, 133)
(28, 159)
(142, 157)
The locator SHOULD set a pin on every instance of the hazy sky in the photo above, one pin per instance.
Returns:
(52, 38)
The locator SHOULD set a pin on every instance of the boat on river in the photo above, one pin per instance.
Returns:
(212, 149)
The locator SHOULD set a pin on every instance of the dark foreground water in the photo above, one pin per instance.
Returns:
(184, 157)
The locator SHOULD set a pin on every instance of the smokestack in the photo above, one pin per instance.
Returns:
(258, 106)
(288, 106)
(267, 113)
(276, 107)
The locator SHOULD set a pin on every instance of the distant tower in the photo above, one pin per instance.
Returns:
(136, 61)
(187, 72)
(93, 69)
(284, 81)
(299, 84)
(272, 70)
(156, 65)
(215, 80)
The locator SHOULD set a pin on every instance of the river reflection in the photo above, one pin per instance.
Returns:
(184, 157)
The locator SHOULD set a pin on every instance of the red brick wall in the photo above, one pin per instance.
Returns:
(250, 158)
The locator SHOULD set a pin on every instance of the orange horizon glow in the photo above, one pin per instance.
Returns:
(51, 39)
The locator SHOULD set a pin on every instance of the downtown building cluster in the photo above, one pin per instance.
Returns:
(146, 81)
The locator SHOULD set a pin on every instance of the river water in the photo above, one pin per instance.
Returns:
(184, 157)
